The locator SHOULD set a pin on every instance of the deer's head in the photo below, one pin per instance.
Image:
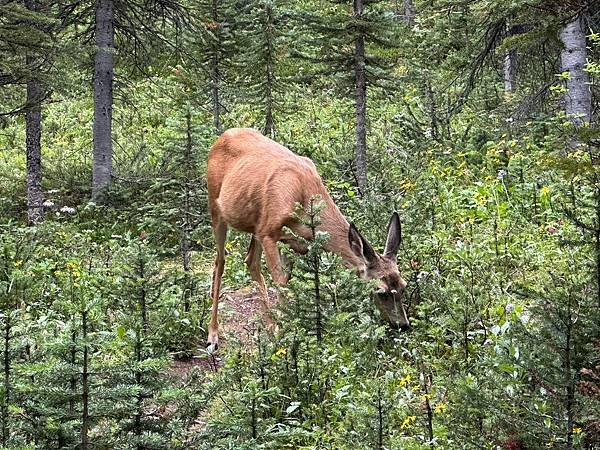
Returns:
(389, 294)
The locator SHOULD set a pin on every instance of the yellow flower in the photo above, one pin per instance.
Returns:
(281, 352)
(545, 190)
(408, 421)
(577, 430)
(18, 263)
(440, 408)
(405, 380)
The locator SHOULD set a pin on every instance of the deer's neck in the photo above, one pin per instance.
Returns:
(336, 225)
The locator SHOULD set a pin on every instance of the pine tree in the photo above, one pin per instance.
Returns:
(134, 28)
(350, 36)
(29, 30)
(261, 32)
(215, 48)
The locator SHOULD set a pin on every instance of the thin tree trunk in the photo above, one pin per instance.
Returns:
(85, 396)
(33, 137)
(510, 71)
(186, 227)
(215, 70)
(269, 121)
(510, 65)
(379, 420)
(317, 280)
(7, 385)
(409, 12)
(597, 246)
(103, 98)
(361, 102)
(569, 378)
(578, 98)
(427, 382)
(72, 379)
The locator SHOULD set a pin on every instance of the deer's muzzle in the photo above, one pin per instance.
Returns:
(392, 309)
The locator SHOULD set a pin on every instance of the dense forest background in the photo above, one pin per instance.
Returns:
(475, 119)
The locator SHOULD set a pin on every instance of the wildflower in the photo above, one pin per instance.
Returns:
(509, 308)
(422, 276)
(439, 408)
(281, 352)
(577, 430)
(501, 174)
(53, 191)
(67, 210)
(551, 229)
(405, 380)
(544, 190)
(18, 263)
(408, 421)
(48, 204)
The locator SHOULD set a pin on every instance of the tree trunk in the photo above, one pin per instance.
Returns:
(7, 384)
(85, 390)
(186, 226)
(569, 376)
(103, 98)
(33, 137)
(409, 12)
(361, 102)
(510, 65)
(578, 98)
(215, 72)
(269, 121)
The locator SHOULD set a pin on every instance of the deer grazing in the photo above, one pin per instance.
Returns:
(254, 185)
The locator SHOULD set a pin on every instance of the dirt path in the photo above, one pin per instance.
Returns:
(240, 317)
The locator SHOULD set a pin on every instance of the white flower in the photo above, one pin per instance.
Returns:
(53, 191)
(67, 209)
(509, 308)
(428, 133)
(48, 204)
(501, 174)
(422, 276)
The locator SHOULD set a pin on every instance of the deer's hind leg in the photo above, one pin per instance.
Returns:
(220, 233)
(253, 263)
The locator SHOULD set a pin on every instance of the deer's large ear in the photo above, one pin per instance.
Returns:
(394, 236)
(360, 246)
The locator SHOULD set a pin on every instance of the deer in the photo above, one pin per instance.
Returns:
(255, 186)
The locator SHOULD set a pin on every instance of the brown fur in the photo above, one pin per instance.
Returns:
(254, 185)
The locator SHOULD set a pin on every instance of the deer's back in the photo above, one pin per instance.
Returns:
(254, 182)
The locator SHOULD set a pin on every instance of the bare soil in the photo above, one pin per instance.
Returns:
(241, 318)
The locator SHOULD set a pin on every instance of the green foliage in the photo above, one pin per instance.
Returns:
(500, 237)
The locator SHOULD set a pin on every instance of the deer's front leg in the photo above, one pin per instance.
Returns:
(274, 261)
(220, 232)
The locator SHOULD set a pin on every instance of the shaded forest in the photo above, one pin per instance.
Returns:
(474, 120)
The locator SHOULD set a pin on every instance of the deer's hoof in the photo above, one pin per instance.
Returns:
(212, 347)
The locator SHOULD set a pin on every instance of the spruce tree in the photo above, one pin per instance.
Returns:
(260, 29)
(348, 44)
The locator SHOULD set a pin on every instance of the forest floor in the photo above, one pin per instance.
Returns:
(240, 317)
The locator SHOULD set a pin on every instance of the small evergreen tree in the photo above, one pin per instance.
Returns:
(261, 31)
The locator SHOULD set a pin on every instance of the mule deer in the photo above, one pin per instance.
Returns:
(254, 185)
